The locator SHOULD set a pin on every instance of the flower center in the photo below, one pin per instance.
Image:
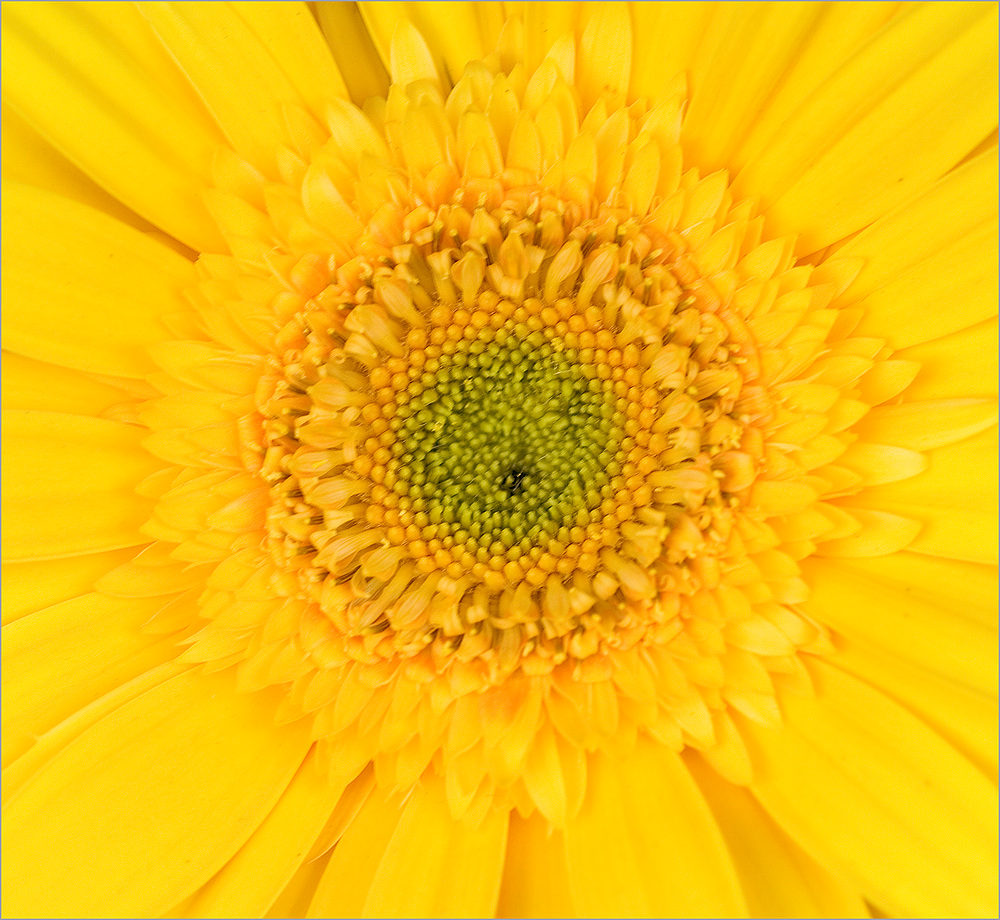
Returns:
(510, 438)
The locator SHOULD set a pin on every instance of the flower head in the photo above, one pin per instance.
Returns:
(516, 463)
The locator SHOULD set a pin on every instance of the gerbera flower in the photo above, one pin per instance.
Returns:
(521, 460)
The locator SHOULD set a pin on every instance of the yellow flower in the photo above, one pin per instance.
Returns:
(499, 459)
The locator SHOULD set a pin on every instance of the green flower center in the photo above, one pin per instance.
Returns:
(509, 439)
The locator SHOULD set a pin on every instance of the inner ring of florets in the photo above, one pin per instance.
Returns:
(504, 438)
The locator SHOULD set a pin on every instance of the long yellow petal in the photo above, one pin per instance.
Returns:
(82, 289)
(113, 827)
(69, 485)
(895, 117)
(92, 79)
(57, 739)
(915, 261)
(962, 365)
(437, 866)
(645, 843)
(256, 875)
(964, 717)
(955, 500)
(344, 886)
(63, 658)
(779, 879)
(351, 44)
(30, 384)
(29, 158)
(871, 792)
(879, 615)
(34, 585)
(535, 878)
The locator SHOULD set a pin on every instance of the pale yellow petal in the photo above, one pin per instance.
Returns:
(955, 500)
(437, 866)
(112, 827)
(962, 365)
(871, 792)
(964, 717)
(343, 889)
(645, 843)
(256, 875)
(92, 79)
(69, 485)
(535, 878)
(30, 384)
(82, 289)
(779, 879)
(930, 267)
(893, 119)
(29, 158)
(247, 82)
(852, 599)
(31, 586)
(61, 659)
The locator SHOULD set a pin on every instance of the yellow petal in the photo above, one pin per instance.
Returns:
(294, 899)
(30, 384)
(30, 586)
(29, 158)
(255, 876)
(351, 44)
(964, 717)
(957, 366)
(955, 500)
(245, 79)
(68, 485)
(535, 879)
(871, 792)
(437, 866)
(645, 843)
(779, 879)
(112, 827)
(344, 886)
(877, 614)
(409, 57)
(604, 60)
(92, 79)
(923, 425)
(939, 249)
(880, 147)
(80, 288)
(63, 658)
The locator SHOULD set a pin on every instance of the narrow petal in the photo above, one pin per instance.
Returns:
(256, 875)
(34, 585)
(868, 790)
(962, 365)
(914, 261)
(779, 879)
(247, 82)
(69, 485)
(29, 158)
(82, 289)
(881, 147)
(955, 500)
(535, 877)
(645, 843)
(63, 658)
(437, 866)
(875, 613)
(343, 889)
(354, 51)
(92, 79)
(964, 717)
(162, 831)
(30, 384)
